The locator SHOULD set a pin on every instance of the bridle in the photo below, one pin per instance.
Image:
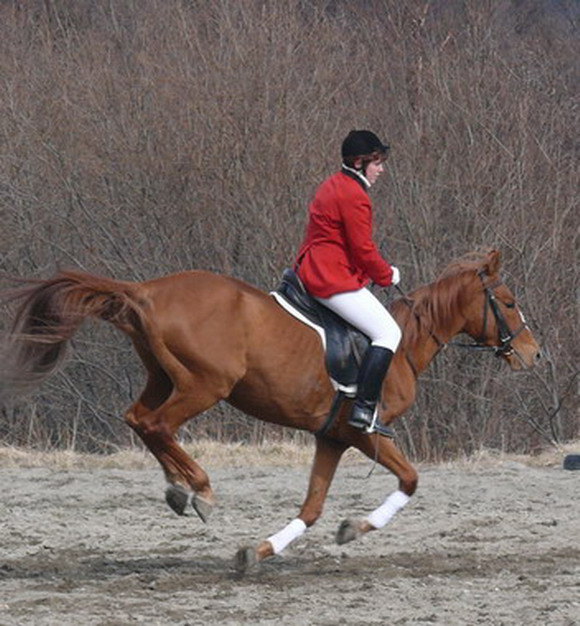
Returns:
(505, 334)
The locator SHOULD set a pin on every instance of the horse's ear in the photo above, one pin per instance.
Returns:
(493, 262)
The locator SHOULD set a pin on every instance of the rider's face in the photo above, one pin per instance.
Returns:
(374, 170)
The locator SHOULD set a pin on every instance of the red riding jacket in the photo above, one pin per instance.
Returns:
(338, 253)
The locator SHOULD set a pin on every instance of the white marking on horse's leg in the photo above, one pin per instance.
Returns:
(392, 505)
(287, 535)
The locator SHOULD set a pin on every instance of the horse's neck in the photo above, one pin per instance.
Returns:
(429, 333)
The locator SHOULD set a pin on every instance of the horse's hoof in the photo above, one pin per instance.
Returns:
(177, 497)
(245, 560)
(202, 507)
(347, 531)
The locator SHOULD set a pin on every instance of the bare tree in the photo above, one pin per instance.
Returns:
(140, 139)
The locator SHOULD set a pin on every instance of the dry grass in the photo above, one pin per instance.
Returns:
(548, 457)
(213, 454)
(208, 453)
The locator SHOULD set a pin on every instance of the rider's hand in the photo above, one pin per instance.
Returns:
(396, 276)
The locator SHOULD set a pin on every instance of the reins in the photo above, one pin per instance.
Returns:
(505, 335)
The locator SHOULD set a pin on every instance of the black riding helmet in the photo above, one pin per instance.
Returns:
(365, 144)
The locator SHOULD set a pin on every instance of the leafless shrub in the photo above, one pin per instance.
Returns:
(140, 139)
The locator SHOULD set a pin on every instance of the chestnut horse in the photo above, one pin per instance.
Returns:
(204, 338)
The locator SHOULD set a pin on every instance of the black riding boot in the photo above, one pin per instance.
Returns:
(372, 372)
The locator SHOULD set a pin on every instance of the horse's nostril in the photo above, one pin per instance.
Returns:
(538, 355)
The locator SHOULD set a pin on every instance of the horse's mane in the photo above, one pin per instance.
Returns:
(434, 305)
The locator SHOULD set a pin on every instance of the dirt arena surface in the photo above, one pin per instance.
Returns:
(480, 543)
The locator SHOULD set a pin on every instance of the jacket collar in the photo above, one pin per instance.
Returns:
(356, 175)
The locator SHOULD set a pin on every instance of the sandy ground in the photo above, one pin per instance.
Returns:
(478, 544)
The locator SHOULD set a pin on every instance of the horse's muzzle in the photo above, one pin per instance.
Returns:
(523, 359)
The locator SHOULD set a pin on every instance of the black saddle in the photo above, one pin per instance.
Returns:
(345, 344)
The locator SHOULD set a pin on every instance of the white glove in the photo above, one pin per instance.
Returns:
(396, 275)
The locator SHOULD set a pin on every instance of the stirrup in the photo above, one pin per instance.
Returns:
(375, 426)
(379, 427)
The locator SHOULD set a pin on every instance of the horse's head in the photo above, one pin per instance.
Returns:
(493, 317)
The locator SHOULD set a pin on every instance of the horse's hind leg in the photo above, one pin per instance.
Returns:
(157, 415)
(388, 455)
(327, 456)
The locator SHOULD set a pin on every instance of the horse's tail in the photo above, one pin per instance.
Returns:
(50, 312)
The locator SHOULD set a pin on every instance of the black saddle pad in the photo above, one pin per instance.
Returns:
(345, 345)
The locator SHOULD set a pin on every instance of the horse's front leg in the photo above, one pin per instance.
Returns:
(392, 458)
(326, 458)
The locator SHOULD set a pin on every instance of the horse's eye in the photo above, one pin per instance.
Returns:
(510, 305)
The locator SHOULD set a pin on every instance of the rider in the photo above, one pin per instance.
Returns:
(338, 259)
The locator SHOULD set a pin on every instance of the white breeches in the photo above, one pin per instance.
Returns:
(361, 309)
